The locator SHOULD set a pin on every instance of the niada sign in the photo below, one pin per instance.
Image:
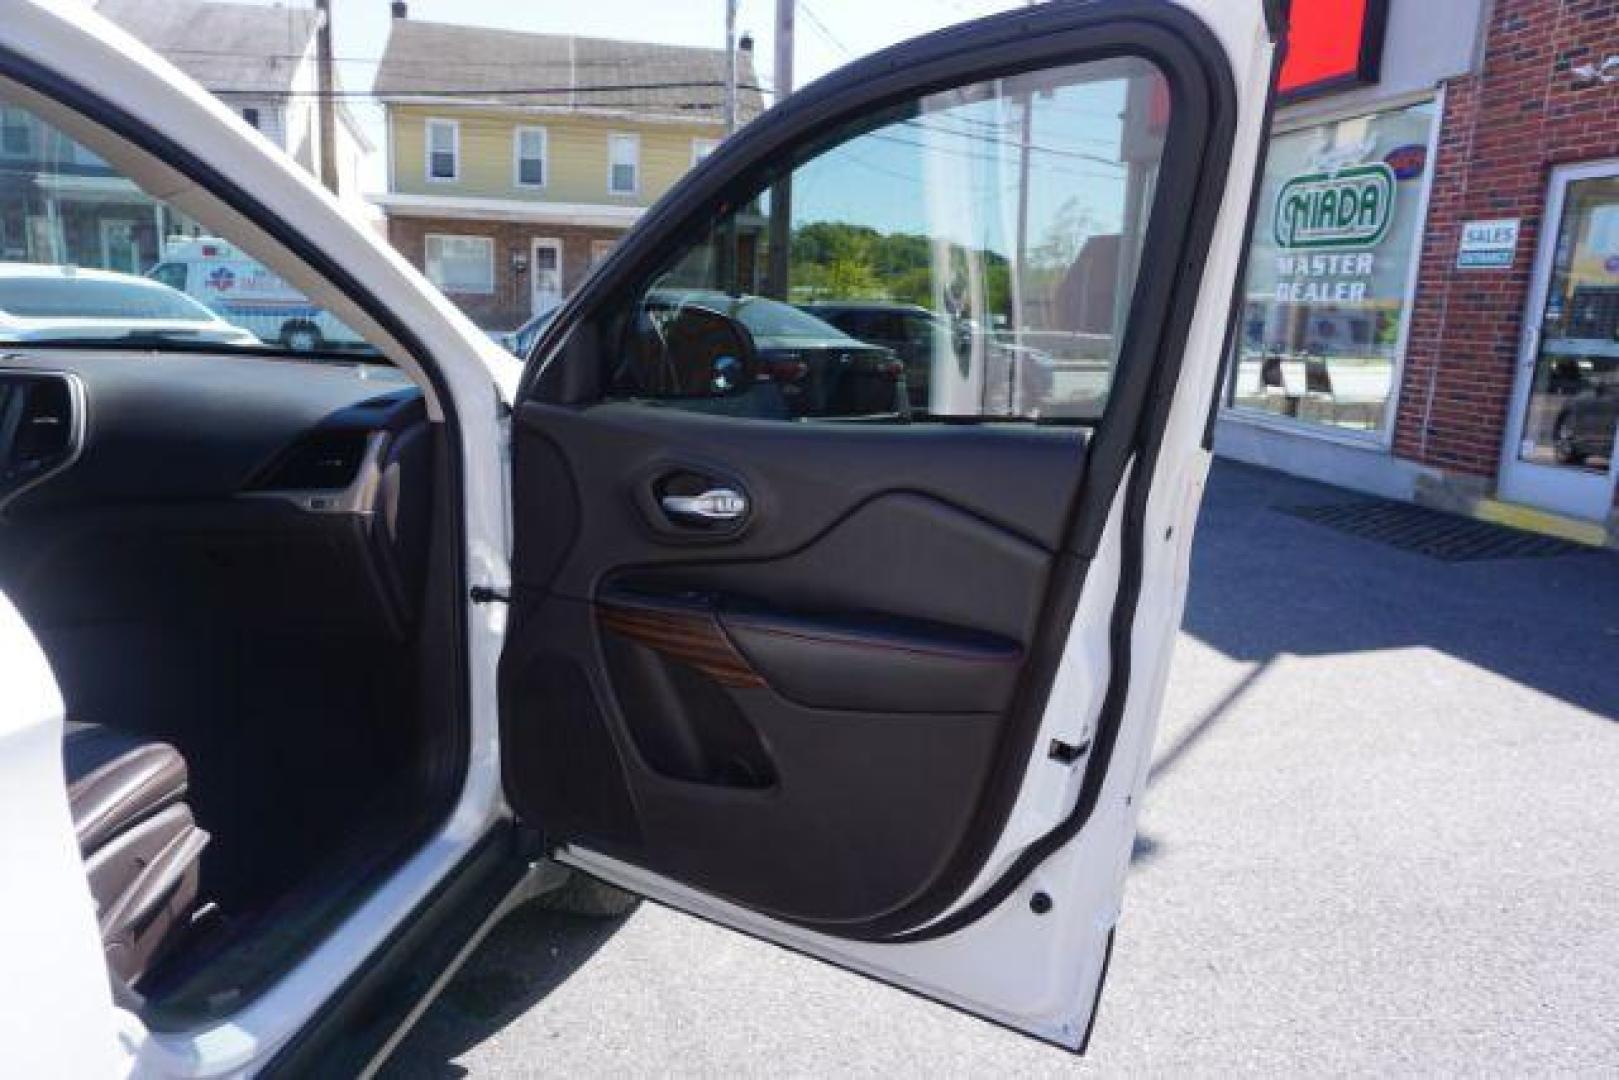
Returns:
(1349, 208)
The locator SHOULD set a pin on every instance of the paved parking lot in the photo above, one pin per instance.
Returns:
(1381, 835)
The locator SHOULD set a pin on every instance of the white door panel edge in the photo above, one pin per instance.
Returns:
(48, 935)
(1046, 797)
(1040, 973)
(1051, 789)
(75, 44)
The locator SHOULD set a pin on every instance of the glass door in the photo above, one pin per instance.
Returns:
(1559, 452)
(546, 274)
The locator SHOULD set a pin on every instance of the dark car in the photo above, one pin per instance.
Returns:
(1017, 379)
(1585, 426)
(818, 369)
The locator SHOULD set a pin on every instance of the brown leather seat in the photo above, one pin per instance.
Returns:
(140, 844)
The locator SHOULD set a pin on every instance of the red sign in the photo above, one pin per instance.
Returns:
(1332, 45)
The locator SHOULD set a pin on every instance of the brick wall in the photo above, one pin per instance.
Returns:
(1503, 131)
(511, 302)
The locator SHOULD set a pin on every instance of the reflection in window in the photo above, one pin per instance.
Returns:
(1335, 242)
(1572, 414)
(970, 255)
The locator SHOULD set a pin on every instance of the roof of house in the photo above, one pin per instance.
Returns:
(228, 48)
(483, 65)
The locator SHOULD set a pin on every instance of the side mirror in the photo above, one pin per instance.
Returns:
(707, 354)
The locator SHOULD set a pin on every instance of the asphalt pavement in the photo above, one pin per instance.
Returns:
(1381, 835)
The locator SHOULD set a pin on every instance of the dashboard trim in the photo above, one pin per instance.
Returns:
(359, 497)
(79, 425)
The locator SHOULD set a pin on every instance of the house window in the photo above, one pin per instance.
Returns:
(529, 148)
(701, 148)
(443, 149)
(16, 134)
(623, 164)
(461, 264)
(251, 116)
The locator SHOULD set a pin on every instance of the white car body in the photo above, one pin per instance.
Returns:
(1043, 977)
(15, 326)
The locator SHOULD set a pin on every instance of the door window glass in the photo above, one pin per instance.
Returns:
(1573, 405)
(1336, 238)
(1007, 215)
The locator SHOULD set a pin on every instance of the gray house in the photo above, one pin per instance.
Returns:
(259, 60)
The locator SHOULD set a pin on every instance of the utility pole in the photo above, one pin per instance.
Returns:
(785, 10)
(730, 66)
(326, 98)
(781, 192)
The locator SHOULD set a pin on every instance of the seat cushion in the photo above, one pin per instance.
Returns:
(141, 846)
(116, 780)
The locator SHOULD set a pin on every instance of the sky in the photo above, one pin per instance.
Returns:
(829, 34)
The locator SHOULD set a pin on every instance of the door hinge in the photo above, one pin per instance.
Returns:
(488, 594)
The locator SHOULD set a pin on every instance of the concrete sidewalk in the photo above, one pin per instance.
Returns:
(1381, 835)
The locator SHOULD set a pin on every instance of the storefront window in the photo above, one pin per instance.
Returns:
(1338, 234)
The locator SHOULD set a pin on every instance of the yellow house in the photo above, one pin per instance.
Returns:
(515, 161)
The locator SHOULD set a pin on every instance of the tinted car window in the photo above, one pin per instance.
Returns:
(977, 249)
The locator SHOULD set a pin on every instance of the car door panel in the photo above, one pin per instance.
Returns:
(830, 680)
(888, 702)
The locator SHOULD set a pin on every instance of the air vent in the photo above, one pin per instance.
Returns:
(325, 461)
(36, 429)
(45, 427)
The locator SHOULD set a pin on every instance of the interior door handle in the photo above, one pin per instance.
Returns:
(717, 504)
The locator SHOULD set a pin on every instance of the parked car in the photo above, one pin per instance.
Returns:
(1017, 379)
(250, 295)
(313, 671)
(519, 341)
(817, 368)
(48, 303)
(1585, 427)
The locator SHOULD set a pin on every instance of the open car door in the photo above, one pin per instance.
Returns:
(860, 649)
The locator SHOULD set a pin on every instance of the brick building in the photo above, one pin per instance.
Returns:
(1432, 305)
(517, 160)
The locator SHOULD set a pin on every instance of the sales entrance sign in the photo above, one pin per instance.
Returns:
(1487, 245)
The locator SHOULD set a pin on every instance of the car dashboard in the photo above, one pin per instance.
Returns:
(283, 492)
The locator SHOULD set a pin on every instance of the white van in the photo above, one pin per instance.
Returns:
(248, 294)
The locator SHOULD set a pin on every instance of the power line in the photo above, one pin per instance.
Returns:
(529, 91)
(824, 30)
